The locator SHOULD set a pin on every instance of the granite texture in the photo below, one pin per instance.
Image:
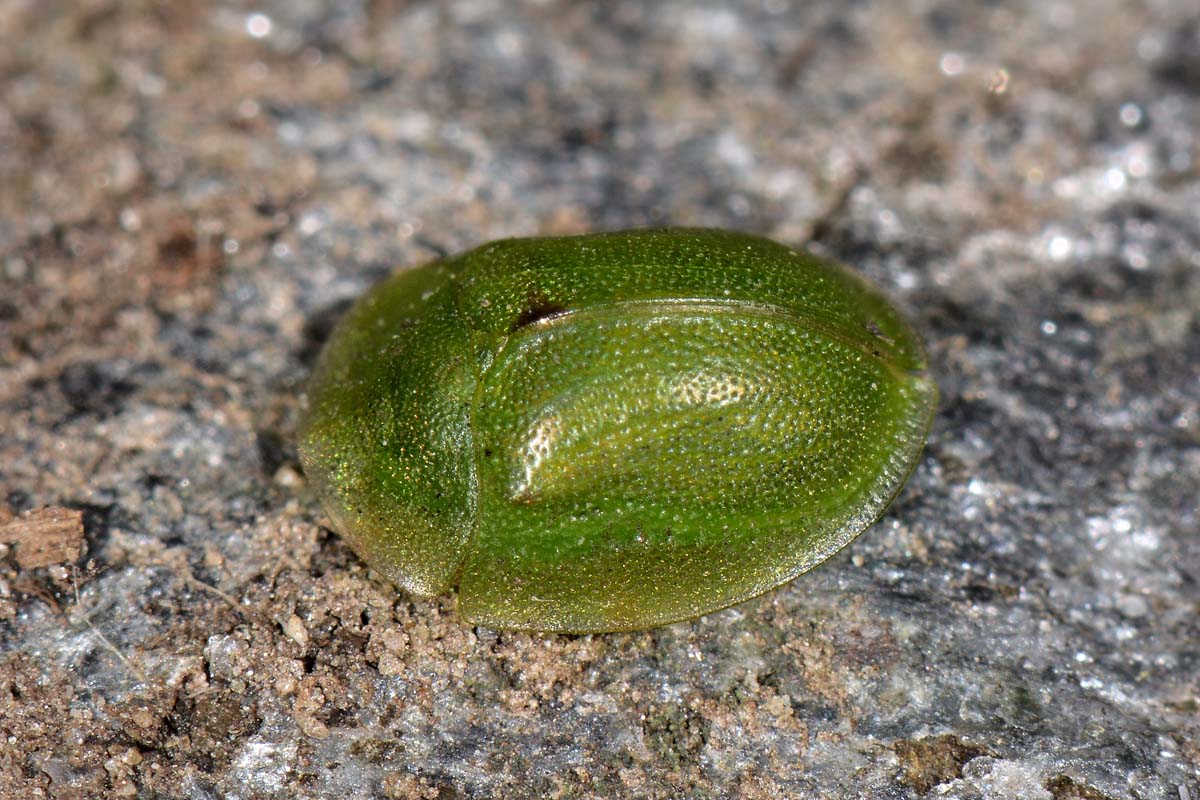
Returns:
(190, 195)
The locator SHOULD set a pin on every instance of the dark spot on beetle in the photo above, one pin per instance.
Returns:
(537, 308)
(487, 452)
(874, 329)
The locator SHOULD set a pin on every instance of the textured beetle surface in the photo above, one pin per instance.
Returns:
(613, 431)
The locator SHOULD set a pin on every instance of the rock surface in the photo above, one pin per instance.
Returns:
(190, 194)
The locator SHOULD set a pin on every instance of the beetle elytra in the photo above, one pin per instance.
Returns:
(613, 431)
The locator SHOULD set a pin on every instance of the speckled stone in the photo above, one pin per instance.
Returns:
(191, 195)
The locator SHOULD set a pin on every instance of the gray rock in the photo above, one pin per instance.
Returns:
(191, 194)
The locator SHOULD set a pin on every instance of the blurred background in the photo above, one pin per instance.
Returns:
(192, 193)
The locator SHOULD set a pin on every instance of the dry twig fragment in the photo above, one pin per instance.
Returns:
(43, 536)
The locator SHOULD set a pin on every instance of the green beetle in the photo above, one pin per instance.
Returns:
(613, 431)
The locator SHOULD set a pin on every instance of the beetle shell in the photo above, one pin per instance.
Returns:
(613, 431)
